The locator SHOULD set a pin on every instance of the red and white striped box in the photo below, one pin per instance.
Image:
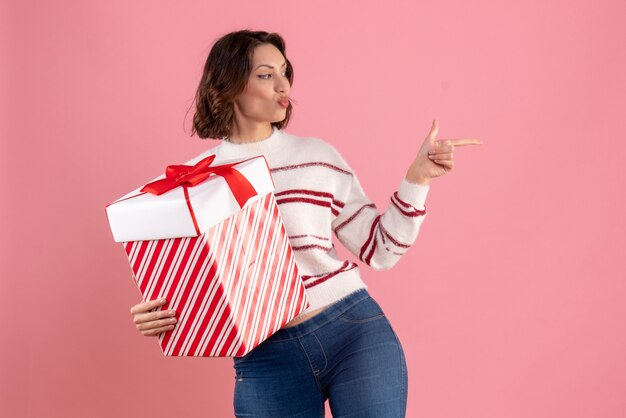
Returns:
(222, 261)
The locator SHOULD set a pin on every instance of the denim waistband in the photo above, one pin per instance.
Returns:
(329, 313)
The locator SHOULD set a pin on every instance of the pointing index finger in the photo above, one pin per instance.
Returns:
(465, 141)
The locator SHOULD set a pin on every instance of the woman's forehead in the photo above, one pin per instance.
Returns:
(267, 55)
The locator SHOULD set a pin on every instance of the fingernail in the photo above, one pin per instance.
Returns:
(163, 300)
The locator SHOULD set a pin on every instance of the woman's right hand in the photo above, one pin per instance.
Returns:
(151, 324)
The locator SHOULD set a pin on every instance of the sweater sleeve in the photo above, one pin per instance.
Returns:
(380, 239)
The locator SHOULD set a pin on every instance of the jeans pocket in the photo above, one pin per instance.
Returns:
(238, 375)
(363, 311)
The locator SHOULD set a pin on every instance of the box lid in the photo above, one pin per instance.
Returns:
(139, 215)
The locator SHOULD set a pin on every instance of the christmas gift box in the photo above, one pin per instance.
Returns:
(210, 239)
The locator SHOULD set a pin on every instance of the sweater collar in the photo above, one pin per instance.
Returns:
(249, 149)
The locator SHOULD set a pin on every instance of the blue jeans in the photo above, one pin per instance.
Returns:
(348, 354)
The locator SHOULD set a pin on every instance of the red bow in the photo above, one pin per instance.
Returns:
(189, 176)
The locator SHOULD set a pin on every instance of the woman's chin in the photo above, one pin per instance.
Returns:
(279, 118)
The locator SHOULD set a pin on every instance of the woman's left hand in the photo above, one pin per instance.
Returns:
(435, 157)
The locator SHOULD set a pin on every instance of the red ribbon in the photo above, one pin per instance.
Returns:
(189, 176)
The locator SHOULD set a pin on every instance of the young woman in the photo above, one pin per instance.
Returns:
(342, 348)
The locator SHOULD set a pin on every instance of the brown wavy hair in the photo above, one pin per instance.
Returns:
(225, 76)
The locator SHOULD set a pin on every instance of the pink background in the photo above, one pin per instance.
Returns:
(510, 303)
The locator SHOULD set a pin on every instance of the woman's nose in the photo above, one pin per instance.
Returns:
(283, 85)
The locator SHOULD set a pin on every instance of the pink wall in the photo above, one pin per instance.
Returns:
(510, 304)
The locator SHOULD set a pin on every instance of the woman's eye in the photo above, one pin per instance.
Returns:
(267, 76)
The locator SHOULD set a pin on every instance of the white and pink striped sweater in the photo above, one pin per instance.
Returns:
(317, 194)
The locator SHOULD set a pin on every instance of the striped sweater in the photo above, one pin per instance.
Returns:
(318, 194)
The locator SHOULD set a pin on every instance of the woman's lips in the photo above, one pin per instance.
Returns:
(284, 102)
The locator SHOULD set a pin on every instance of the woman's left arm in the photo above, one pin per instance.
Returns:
(380, 239)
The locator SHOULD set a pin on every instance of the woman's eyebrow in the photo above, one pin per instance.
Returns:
(265, 65)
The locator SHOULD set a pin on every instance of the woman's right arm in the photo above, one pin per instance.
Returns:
(151, 324)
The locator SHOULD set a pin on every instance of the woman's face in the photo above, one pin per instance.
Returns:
(267, 85)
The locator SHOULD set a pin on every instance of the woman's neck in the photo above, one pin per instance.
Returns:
(250, 133)
(274, 142)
